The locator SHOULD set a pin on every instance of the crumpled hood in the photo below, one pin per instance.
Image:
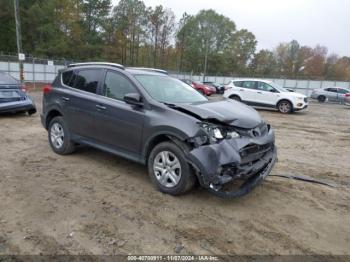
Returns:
(227, 111)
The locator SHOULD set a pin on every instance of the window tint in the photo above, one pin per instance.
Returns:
(334, 90)
(117, 86)
(249, 84)
(67, 78)
(265, 87)
(87, 80)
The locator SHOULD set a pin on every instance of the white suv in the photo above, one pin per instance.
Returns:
(264, 93)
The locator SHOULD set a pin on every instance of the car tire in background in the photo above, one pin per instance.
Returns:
(285, 107)
(169, 170)
(31, 111)
(235, 97)
(321, 99)
(59, 137)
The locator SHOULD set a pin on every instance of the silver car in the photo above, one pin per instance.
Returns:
(335, 94)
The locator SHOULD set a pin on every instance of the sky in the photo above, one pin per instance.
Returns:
(310, 22)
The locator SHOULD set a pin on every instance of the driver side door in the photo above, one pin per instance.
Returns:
(119, 124)
(266, 95)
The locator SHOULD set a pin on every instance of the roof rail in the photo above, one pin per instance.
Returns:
(161, 71)
(97, 63)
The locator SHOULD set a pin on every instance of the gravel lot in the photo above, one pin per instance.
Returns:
(92, 202)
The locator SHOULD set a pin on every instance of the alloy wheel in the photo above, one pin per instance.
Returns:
(57, 135)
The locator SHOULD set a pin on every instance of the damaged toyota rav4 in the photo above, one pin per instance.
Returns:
(154, 119)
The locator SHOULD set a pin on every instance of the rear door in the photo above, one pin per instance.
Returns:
(341, 94)
(80, 101)
(246, 90)
(119, 125)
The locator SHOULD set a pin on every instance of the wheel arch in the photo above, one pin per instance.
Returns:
(51, 115)
(285, 99)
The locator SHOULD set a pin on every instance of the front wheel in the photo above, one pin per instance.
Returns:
(59, 137)
(169, 170)
(285, 107)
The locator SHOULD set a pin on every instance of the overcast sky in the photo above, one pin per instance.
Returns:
(310, 22)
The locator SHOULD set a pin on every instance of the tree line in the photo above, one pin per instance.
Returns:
(134, 34)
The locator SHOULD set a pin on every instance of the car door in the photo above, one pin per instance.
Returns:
(341, 94)
(79, 101)
(266, 95)
(332, 94)
(246, 90)
(119, 125)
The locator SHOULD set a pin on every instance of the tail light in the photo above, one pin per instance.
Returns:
(23, 88)
(47, 89)
(347, 95)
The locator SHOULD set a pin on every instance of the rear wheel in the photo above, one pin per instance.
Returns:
(285, 107)
(31, 111)
(59, 137)
(321, 99)
(169, 170)
(237, 98)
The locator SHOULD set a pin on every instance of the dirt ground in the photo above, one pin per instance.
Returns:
(92, 202)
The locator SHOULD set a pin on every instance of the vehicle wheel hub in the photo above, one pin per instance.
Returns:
(57, 135)
(167, 169)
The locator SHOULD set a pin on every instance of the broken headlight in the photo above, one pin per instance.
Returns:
(216, 133)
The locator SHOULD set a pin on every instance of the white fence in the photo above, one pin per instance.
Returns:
(302, 86)
(41, 70)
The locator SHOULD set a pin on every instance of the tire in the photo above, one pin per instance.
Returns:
(31, 111)
(236, 98)
(175, 178)
(285, 107)
(59, 137)
(321, 99)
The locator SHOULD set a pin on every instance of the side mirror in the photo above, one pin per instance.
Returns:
(274, 91)
(133, 99)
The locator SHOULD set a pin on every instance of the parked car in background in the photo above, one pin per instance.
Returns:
(333, 94)
(265, 93)
(13, 96)
(159, 121)
(200, 87)
(347, 99)
(220, 89)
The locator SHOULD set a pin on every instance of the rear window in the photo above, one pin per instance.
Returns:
(6, 79)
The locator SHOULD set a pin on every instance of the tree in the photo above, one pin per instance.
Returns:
(7, 27)
(263, 63)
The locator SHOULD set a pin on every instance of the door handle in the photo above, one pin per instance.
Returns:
(100, 107)
(241, 89)
(259, 92)
(65, 98)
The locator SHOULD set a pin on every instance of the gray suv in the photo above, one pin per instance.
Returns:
(149, 117)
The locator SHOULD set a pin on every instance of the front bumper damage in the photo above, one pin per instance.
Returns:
(246, 159)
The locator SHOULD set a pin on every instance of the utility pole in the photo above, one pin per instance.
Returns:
(205, 60)
(19, 38)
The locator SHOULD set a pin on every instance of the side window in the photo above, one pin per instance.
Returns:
(333, 90)
(87, 80)
(265, 87)
(249, 84)
(117, 86)
(68, 78)
(238, 83)
(342, 91)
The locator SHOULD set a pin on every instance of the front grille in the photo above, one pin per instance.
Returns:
(253, 152)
